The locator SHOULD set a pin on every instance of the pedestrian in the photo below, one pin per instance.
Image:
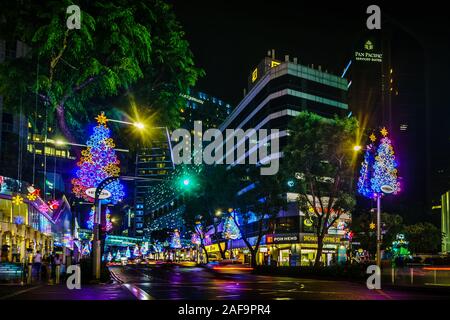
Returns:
(57, 265)
(38, 263)
(15, 253)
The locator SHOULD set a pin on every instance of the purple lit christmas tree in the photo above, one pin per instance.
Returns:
(98, 162)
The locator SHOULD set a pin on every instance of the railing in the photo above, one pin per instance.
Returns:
(417, 275)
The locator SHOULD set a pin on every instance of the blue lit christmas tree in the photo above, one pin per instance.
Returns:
(109, 224)
(230, 229)
(366, 172)
(98, 162)
(175, 242)
(136, 251)
(378, 172)
(90, 222)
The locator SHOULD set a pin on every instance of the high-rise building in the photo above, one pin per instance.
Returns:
(167, 212)
(280, 90)
(386, 92)
(153, 161)
(208, 109)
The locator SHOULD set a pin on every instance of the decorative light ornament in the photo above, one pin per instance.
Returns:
(43, 208)
(17, 200)
(101, 119)
(53, 204)
(31, 196)
(372, 226)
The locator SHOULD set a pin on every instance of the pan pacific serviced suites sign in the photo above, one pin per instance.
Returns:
(369, 53)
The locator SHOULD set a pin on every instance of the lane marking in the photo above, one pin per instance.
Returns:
(384, 294)
(19, 292)
(138, 292)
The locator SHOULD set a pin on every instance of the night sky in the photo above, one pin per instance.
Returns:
(228, 39)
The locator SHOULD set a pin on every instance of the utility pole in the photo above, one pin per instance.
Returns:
(379, 230)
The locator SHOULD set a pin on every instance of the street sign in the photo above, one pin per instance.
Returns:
(105, 194)
(387, 189)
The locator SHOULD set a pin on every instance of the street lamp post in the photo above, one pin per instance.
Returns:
(379, 230)
(96, 247)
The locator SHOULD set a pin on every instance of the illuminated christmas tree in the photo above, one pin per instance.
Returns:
(175, 241)
(366, 172)
(109, 224)
(128, 253)
(230, 229)
(144, 249)
(195, 238)
(378, 172)
(86, 250)
(98, 162)
(136, 252)
(90, 222)
(109, 257)
(385, 168)
(118, 256)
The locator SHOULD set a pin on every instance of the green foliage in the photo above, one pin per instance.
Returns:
(320, 150)
(123, 46)
(391, 225)
(423, 238)
(320, 153)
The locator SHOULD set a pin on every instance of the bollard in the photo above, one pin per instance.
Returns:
(30, 273)
(393, 275)
(434, 273)
(411, 271)
(57, 273)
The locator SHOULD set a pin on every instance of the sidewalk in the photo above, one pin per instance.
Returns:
(60, 292)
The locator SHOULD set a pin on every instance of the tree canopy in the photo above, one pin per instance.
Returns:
(124, 48)
(320, 157)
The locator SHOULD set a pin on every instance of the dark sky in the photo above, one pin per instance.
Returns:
(228, 38)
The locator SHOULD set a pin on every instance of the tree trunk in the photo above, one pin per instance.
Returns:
(253, 261)
(206, 253)
(224, 250)
(319, 250)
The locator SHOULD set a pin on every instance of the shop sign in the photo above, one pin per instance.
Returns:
(282, 238)
(263, 249)
(311, 238)
(105, 194)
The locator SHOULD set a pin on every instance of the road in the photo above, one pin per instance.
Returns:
(195, 283)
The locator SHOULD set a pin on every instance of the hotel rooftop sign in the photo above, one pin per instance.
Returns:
(368, 54)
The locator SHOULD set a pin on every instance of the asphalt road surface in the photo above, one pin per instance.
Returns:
(195, 283)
